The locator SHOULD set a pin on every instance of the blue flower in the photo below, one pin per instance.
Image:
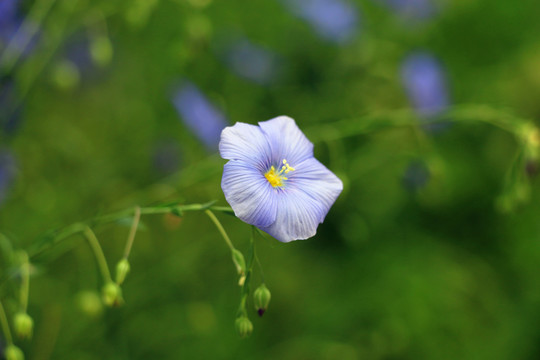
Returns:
(253, 62)
(7, 173)
(199, 114)
(273, 181)
(334, 20)
(413, 9)
(425, 83)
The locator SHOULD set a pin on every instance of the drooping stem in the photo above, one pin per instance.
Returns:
(98, 253)
(220, 228)
(132, 232)
(249, 267)
(25, 284)
(5, 325)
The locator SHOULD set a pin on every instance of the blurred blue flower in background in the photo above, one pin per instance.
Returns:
(412, 9)
(199, 114)
(8, 19)
(10, 114)
(416, 175)
(7, 173)
(334, 20)
(81, 60)
(425, 83)
(253, 62)
(273, 181)
(17, 37)
(166, 157)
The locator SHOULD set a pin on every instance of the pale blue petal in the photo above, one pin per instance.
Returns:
(318, 182)
(297, 217)
(286, 140)
(247, 143)
(248, 192)
(304, 202)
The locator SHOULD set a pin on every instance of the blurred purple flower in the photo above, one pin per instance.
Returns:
(334, 20)
(78, 52)
(199, 114)
(412, 9)
(10, 115)
(253, 62)
(166, 157)
(416, 176)
(16, 34)
(8, 16)
(7, 173)
(425, 83)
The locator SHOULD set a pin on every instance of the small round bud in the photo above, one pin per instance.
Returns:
(101, 51)
(112, 294)
(261, 299)
(13, 353)
(65, 75)
(239, 262)
(23, 325)
(90, 303)
(244, 327)
(122, 269)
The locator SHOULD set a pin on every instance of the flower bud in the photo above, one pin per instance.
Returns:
(239, 262)
(23, 325)
(90, 304)
(112, 294)
(122, 269)
(261, 299)
(101, 51)
(13, 353)
(244, 327)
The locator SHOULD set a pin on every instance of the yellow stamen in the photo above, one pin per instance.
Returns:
(276, 178)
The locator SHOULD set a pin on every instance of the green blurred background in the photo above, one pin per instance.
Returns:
(432, 251)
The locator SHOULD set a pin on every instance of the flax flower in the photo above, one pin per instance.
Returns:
(273, 181)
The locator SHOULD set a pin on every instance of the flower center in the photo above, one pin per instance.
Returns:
(276, 178)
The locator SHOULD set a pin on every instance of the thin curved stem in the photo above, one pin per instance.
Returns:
(25, 284)
(220, 228)
(98, 252)
(132, 232)
(5, 325)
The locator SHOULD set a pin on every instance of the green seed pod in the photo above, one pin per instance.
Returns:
(122, 269)
(261, 299)
(23, 325)
(112, 294)
(244, 327)
(13, 353)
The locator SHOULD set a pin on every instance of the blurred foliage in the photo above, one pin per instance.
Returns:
(431, 252)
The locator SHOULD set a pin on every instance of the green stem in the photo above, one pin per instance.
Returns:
(25, 285)
(98, 252)
(220, 228)
(5, 325)
(259, 265)
(407, 118)
(52, 239)
(249, 267)
(132, 231)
